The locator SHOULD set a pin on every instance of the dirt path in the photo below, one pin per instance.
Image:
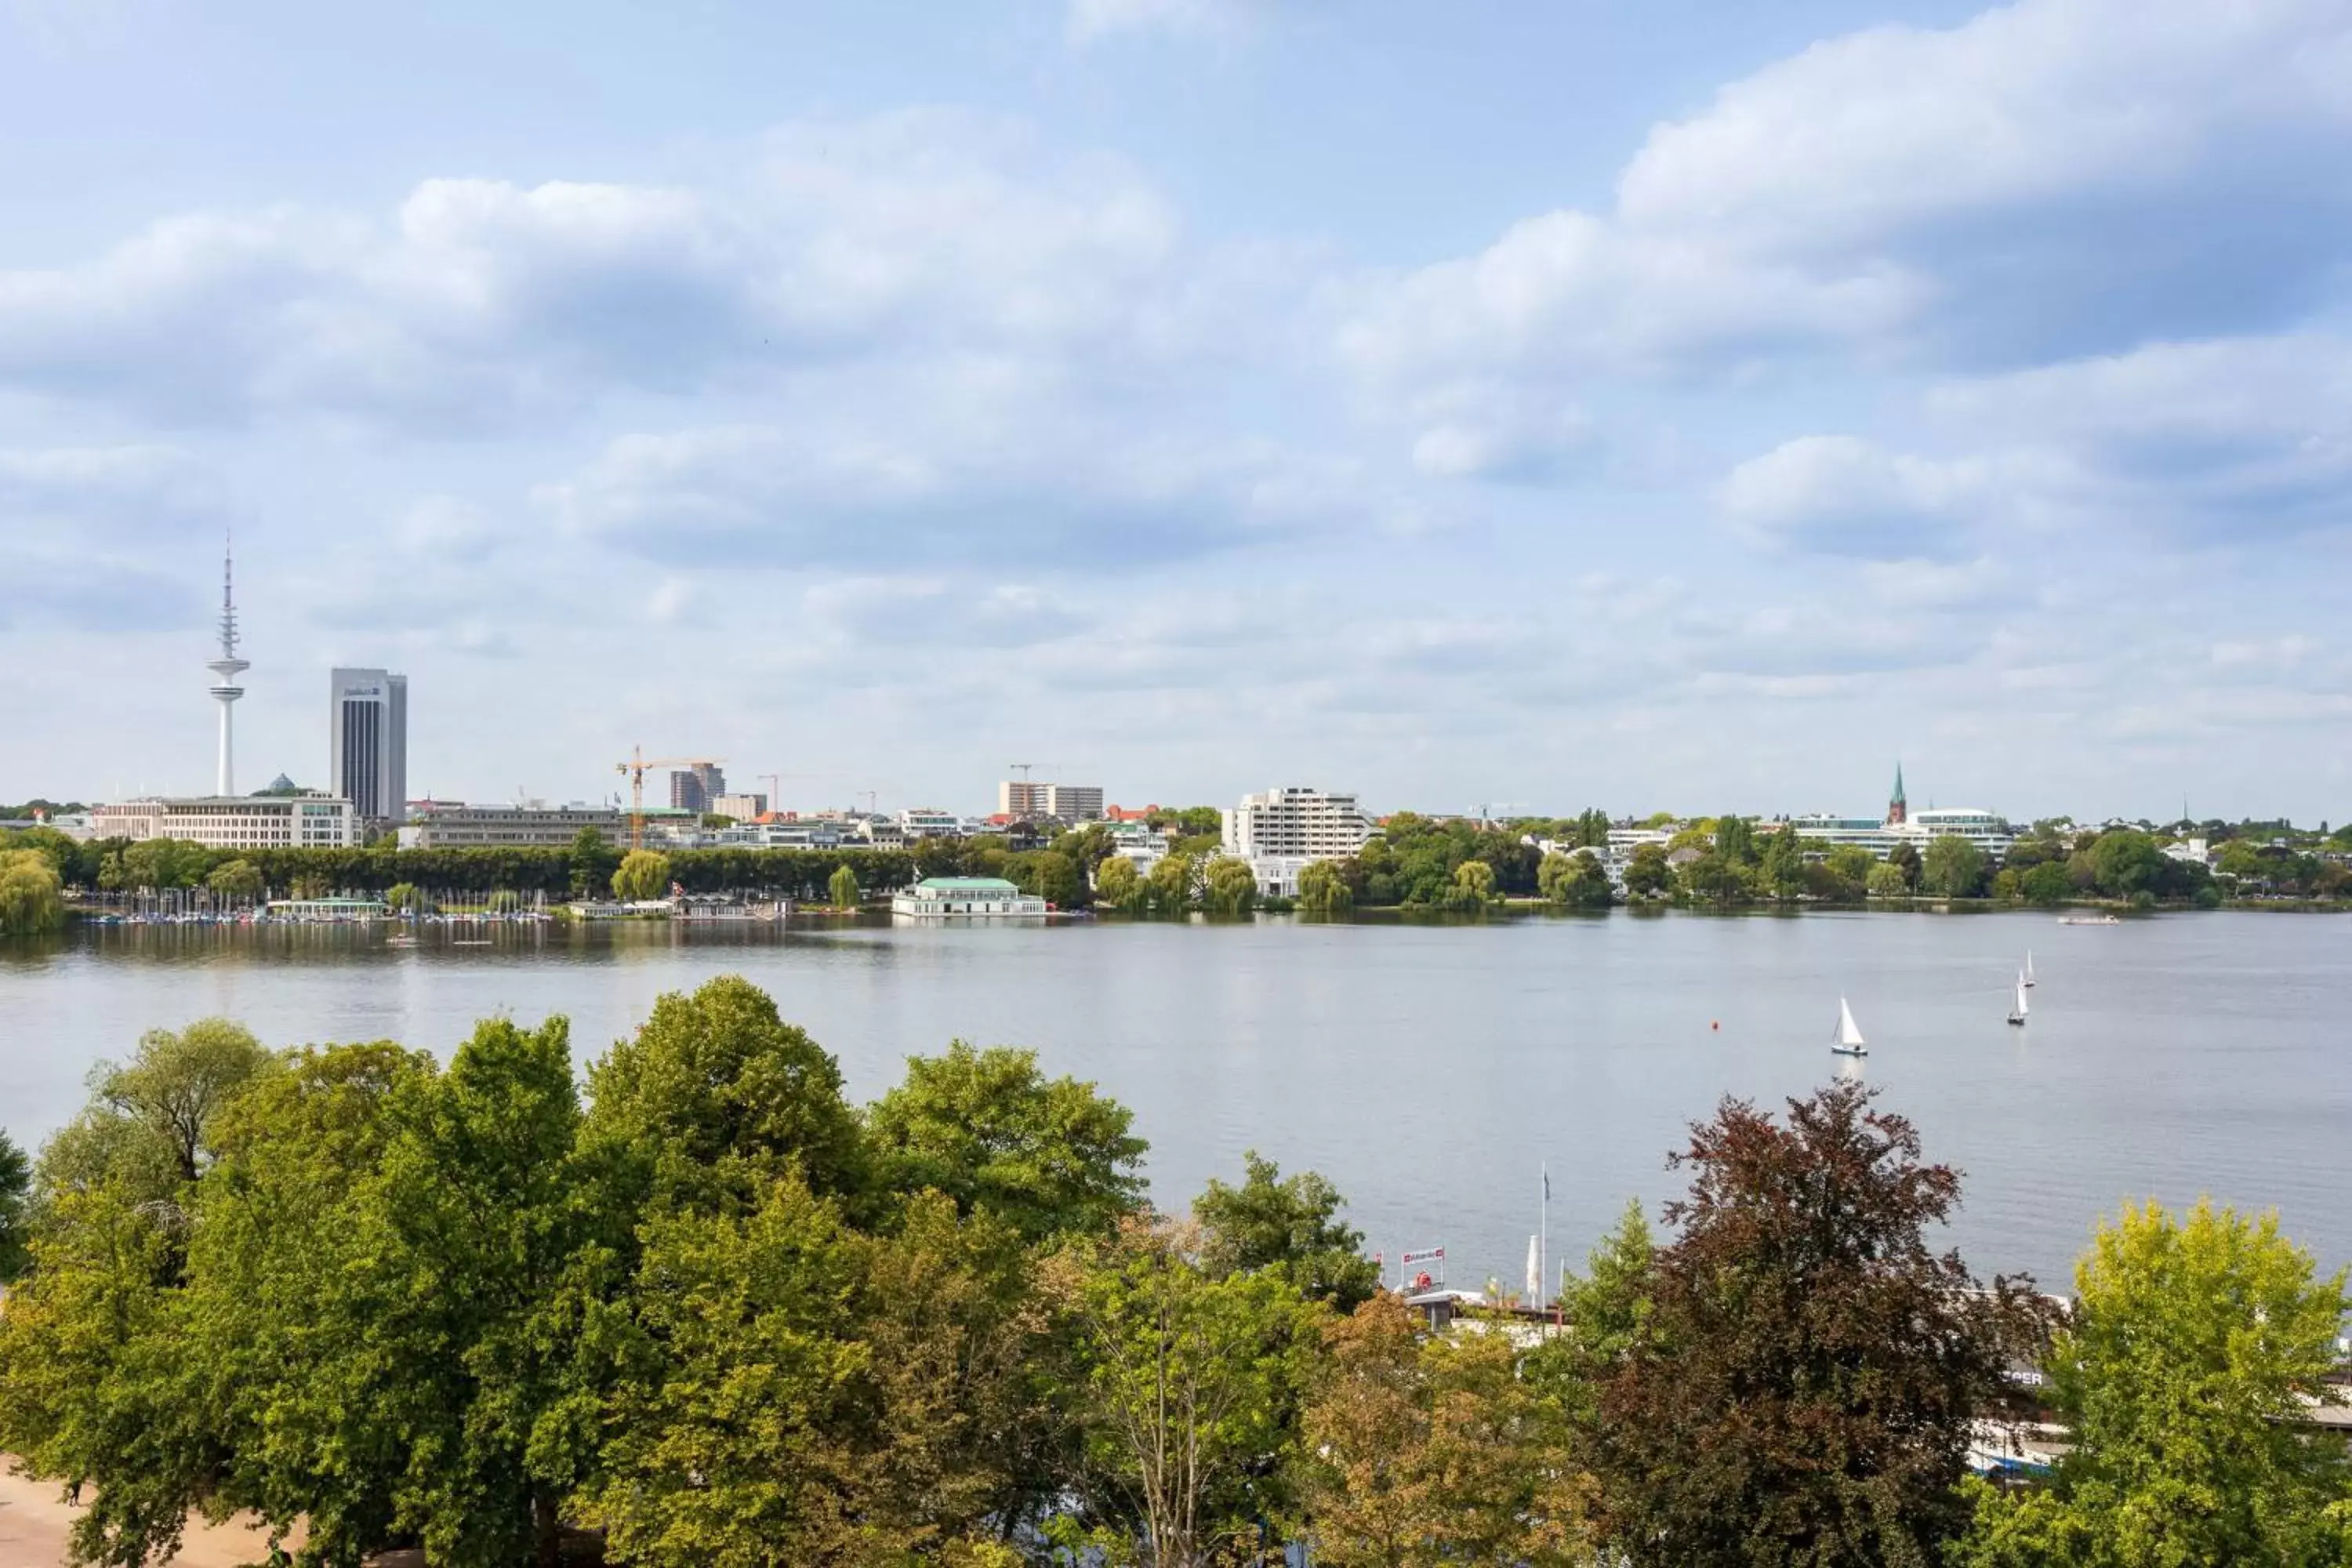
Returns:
(34, 1522)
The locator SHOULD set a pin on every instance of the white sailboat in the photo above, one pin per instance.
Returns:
(1847, 1041)
(2017, 1012)
(2030, 980)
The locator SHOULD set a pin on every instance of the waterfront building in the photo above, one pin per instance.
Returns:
(882, 832)
(234, 822)
(440, 824)
(1277, 875)
(783, 833)
(965, 897)
(1309, 824)
(1983, 828)
(930, 822)
(741, 808)
(693, 788)
(367, 760)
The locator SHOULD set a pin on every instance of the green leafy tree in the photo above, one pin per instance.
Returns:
(590, 863)
(1647, 873)
(1606, 1310)
(1474, 886)
(1718, 878)
(1175, 882)
(16, 1188)
(1905, 857)
(405, 897)
(2185, 1375)
(1323, 889)
(1193, 1380)
(1433, 1448)
(714, 1096)
(1290, 1225)
(32, 895)
(1117, 882)
(1951, 869)
(842, 888)
(643, 875)
(1574, 881)
(1050, 1157)
(1058, 878)
(1803, 1388)
(237, 881)
(168, 1093)
(1887, 881)
(2126, 862)
(1780, 867)
(1230, 888)
(1735, 839)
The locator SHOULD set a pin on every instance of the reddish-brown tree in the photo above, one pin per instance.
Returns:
(1804, 1386)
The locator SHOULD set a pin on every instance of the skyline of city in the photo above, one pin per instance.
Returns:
(1581, 414)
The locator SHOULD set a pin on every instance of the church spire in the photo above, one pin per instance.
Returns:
(1898, 808)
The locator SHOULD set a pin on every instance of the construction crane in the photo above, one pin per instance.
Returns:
(636, 768)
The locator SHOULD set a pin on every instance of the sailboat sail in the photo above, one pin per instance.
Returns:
(1849, 1033)
(2021, 996)
(2029, 966)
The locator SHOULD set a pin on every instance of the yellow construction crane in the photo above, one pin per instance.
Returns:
(636, 768)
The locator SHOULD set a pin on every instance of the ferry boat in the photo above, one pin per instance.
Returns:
(2088, 921)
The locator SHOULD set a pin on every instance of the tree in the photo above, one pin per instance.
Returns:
(2126, 862)
(714, 1096)
(1117, 882)
(1647, 874)
(1735, 838)
(1050, 1157)
(1056, 877)
(1474, 886)
(1573, 881)
(644, 876)
(592, 862)
(1803, 1388)
(1952, 868)
(842, 888)
(486, 1263)
(32, 896)
(1289, 1224)
(16, 1187)
(177, 1083)
(1887, 880)
(1781, 868)
(1174, 882)
(1606, 1310)
(1230, 886)
(1323, 890)
(236, 882)
(1905, 857)
(2186, 1374)
(404, 898)
(1191, 1378)
(1425, 1448)
(1719, 879)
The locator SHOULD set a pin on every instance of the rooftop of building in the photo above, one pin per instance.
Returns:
(968, 884)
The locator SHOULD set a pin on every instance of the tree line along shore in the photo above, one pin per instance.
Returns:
(694, 1307)
(1412, 863)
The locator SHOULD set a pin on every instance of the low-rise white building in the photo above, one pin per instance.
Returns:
(1296, 823)
(965, 898)
(930, 822)
(440, 824)
(234, 822)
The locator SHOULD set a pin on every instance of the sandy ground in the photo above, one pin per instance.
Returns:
(34, 1522)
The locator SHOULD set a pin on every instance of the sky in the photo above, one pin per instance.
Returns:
(1526, 407)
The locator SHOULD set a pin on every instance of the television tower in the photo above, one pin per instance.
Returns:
(225, 670)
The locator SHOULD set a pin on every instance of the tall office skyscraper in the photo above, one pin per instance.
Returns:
(370, 721)
(697, 788)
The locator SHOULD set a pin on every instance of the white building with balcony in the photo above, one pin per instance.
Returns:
(1296, 823)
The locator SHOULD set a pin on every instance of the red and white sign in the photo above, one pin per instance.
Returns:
(1435, 1255)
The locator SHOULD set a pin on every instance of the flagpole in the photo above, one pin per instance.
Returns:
(1543, 1242)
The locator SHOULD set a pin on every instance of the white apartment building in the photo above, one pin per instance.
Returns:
(435, 824)
(234, 822)
(741, 808)
(1068, 802)
(930, 822)
(1982, 829)
(1292, 822)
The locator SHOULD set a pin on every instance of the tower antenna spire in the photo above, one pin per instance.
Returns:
(226, 668)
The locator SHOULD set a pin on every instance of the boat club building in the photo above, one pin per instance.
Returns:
(965, 898)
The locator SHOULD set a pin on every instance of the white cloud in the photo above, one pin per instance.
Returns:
(2050, 178)
(1839, 495)
(908, 235)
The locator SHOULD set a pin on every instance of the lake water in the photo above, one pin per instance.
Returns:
(1429, 1070)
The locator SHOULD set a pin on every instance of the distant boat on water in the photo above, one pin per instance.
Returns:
(1847, 1041)
(2017, 1012)
(2088, 921)
(2027, 975)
